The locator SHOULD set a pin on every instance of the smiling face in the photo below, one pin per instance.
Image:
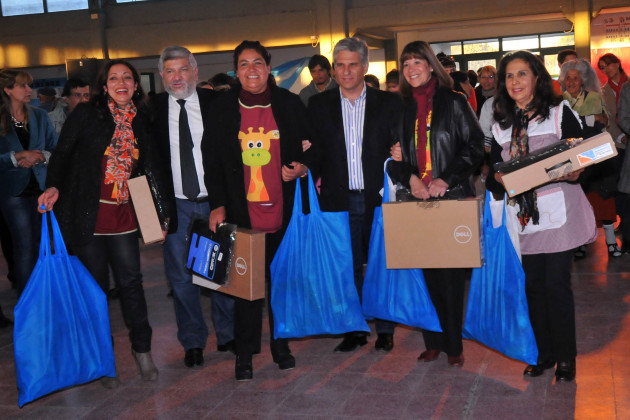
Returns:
(520, 82)
(179, 77)
(252, 71)
(417, 71)
(120, 84)
(573, 82)
(349, 73)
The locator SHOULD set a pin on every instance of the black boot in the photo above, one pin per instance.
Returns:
(281, 354)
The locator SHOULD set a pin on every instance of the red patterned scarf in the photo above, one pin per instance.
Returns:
(121, 151)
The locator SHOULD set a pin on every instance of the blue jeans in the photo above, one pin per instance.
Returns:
(360, 229)
(192, 331)
(24, 223)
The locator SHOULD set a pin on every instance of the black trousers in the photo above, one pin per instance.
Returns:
(446, 288)
(122, 253)
(551, 306)
(248, 314)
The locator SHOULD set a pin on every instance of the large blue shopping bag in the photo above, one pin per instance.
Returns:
(312, 281)
(61, 335)
(497, 314)
(398, 295)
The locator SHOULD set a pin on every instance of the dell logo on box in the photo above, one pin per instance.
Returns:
(462, 234)
(241, 266)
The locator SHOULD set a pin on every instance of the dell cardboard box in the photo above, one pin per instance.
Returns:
(589, 152)
(433, 234)
(247, 270)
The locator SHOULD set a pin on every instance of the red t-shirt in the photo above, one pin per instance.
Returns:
(260, 143)
(113, 218)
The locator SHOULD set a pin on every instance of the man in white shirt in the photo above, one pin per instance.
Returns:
(180, 146)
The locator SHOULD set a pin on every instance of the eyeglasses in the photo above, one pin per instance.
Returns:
(81, 95)
(487, 77)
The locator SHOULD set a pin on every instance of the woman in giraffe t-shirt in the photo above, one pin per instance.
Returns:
(251, 166)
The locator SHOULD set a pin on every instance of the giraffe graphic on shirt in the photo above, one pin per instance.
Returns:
(255, 146)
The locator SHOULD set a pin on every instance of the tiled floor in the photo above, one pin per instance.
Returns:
(365, 384)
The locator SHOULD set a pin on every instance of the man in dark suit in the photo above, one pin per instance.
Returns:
(354, 128)
(181, 123)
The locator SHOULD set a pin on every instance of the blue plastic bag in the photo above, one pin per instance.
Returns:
(312, 281)
(398, 295)
(497, 313)
(61, 335)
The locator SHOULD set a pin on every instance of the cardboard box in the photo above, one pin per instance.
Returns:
(247, 273)
(433, 234)
(590, 152)
(144, 206)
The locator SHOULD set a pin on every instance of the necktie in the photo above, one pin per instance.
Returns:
(190, 183)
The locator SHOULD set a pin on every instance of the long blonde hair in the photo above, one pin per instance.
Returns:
(8, 79)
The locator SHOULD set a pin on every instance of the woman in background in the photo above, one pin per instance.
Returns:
(27, 137)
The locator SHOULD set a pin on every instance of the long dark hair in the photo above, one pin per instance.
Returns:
(422, 50)
(8, 79)
(544, 97)
(100, 97)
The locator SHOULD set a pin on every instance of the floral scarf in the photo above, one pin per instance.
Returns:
(519, 146)
(121, 151)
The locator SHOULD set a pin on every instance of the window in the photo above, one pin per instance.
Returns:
(29, 7)
(448, 48)
(21, 7)
(128, 1)
(520, 43)
(477, 64)
(557, 40)
(481, 46)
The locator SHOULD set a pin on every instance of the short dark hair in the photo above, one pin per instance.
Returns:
(251, 45)
(446, 60)
(319, 60)
(393, 77)
(459, 77)
(221, 80)
(100, 97)
(73, 83)
(562, 55)
(472, 77)
(544, 96)
(370, 78)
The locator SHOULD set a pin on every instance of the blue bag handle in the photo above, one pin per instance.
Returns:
(313, 202)
(297, 199)
(58, 242)
(487, 213)
(385, 183)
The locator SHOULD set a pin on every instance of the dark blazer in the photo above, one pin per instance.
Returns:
(159, 106)
(75, 169)
(382, 128)
(222, 154)
(42, 136)
(456, 142)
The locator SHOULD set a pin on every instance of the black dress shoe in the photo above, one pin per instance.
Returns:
(351, 342)
(193, 357)
(243, 369)
(537, 370)
(384, 342)
(281, 354)
(229, 346)
(565, 372)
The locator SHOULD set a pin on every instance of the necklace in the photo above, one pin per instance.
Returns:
(16, 123)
